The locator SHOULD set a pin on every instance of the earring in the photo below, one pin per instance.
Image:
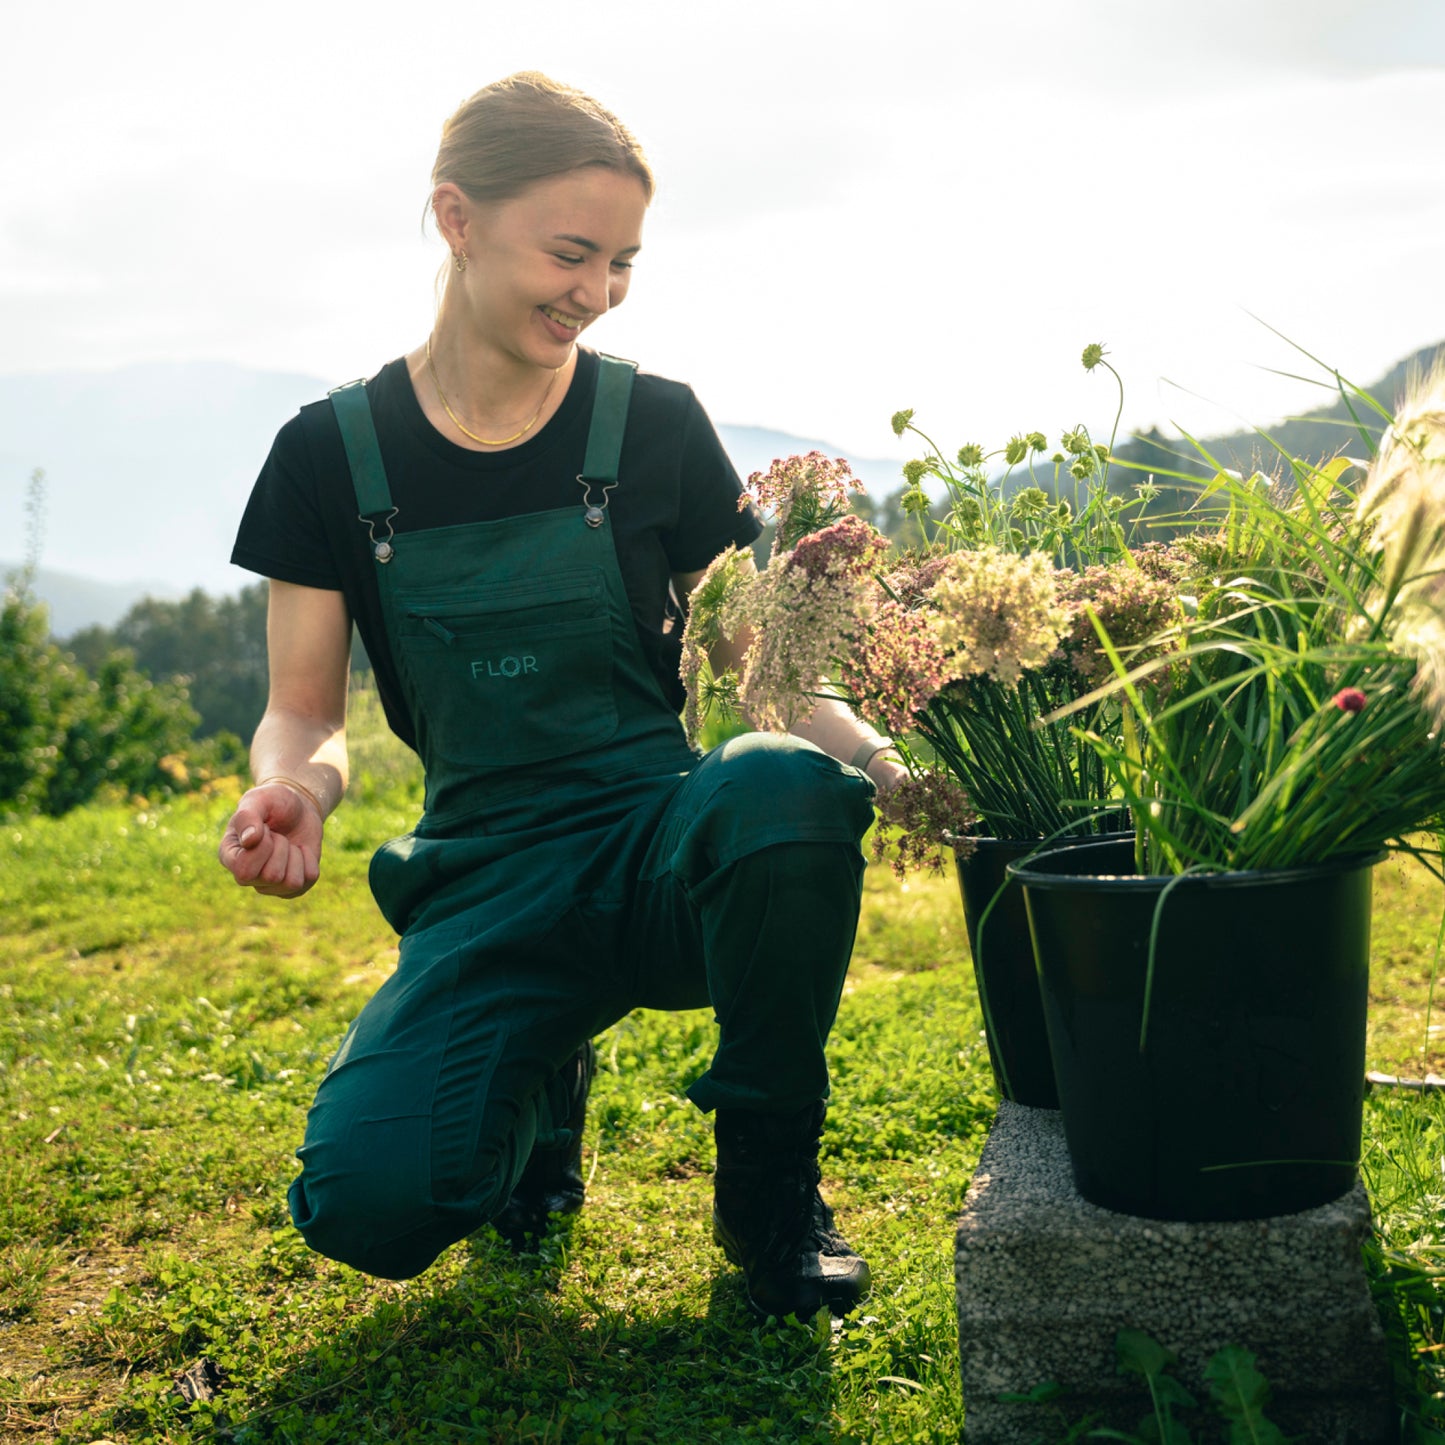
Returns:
(459, 260)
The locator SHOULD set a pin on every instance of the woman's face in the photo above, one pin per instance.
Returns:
(546, 264)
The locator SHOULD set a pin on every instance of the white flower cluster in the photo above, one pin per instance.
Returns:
(997, 613)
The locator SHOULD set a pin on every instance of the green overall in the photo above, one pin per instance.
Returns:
(575, 860)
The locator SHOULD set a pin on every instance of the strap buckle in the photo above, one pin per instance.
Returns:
(383, 551)
(593, 514)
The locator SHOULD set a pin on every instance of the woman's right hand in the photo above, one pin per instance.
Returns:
(273, 842)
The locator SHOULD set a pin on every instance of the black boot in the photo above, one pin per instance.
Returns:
(552, 1181)
(770, 1219)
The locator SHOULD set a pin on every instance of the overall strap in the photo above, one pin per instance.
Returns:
(358, 436)
(609, 419)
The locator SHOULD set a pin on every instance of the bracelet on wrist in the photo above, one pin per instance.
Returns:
(870, 750)
(296, 787)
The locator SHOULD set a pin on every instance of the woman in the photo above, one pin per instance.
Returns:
(509, 517)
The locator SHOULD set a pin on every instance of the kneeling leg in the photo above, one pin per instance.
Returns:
(428, 1114)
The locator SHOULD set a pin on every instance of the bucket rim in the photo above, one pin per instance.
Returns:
(1040, 843)
(1029, 876)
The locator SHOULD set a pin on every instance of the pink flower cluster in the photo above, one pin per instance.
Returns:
(1132, 607)
(799, 625)
(912, 580)
(1163, 561)
(897, 668)
(924, 809)
(849, 548)
(813, 480)
(805, 610)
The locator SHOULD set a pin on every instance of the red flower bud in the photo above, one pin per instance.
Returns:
(1349, 699)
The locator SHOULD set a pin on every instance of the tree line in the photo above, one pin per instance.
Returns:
(159, 704)
(165, 699)
(212, 647)
(69, 734)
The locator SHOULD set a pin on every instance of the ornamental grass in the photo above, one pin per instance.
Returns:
(1293, 714)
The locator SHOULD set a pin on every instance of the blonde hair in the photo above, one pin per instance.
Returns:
(528, 127)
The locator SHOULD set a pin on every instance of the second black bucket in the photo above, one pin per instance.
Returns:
(1003, 970)
(1245, 1099)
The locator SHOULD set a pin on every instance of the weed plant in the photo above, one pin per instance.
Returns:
(162, 1032)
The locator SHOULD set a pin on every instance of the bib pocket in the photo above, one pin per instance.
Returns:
(512, 673)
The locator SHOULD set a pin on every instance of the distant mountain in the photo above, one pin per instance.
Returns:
(755, 448)
(77, 602)
(148, 468)
(1340, 426)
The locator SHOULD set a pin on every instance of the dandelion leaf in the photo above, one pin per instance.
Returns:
(1241, 1393)
(1139, 1353)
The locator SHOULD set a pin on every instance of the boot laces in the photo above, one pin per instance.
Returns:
(824, 1235)
(803, 1222)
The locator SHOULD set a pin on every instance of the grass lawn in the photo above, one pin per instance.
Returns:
(161, 1034)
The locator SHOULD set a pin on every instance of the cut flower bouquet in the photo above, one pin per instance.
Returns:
(964, 648)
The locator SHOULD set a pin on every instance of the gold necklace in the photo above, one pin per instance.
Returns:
(462, 427)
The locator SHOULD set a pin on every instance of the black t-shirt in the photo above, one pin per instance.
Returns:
(674, 510)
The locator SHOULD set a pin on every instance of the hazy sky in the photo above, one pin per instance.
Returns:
(861, 206)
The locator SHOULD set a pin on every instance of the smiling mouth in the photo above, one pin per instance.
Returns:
(572, 323)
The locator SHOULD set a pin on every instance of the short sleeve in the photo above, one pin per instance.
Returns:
(282, 534)
(709, 518)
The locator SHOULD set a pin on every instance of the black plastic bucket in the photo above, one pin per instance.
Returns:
(1003, 969)
(1003, 958)
(1246, 1098)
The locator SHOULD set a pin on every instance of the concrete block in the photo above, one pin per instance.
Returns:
(1046, 1280)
